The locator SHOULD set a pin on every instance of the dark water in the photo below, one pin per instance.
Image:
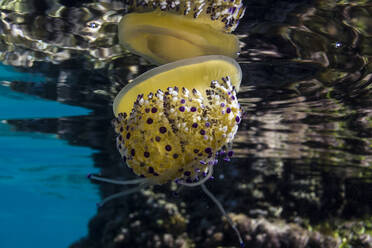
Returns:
(303, 152)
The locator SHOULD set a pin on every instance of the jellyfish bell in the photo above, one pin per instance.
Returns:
(175, 121)
(165, 31)
(172, 120)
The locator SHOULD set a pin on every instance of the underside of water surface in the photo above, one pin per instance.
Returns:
(301, 174)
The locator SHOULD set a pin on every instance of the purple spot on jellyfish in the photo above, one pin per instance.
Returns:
(194, 125)
(162, 129)
(237, 119)
(193, 109)
(168, 148)
(149, 121)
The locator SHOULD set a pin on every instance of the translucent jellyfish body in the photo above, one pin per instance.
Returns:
(175, 121)
(165, 31)
(180, 118)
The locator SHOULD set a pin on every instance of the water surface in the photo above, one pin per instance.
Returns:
(303, 152)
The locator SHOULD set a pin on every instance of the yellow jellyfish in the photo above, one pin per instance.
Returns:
(174, 122)
(165, 31)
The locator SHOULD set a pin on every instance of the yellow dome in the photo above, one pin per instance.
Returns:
(189, 73)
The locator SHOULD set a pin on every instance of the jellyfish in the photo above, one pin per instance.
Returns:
(174, 122)
(165, 31)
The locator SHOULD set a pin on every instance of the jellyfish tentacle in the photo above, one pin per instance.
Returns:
(141, 182)
(119, 182)
(178, 190)
(222, 210)
(122, 193)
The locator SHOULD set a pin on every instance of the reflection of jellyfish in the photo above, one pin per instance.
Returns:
(165, 31)
(175, 121)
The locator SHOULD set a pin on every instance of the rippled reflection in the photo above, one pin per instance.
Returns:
(57, 33)
(322, 117)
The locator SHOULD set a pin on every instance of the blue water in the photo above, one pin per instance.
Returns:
(46, 200)
(14, 105)
(7, 73)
